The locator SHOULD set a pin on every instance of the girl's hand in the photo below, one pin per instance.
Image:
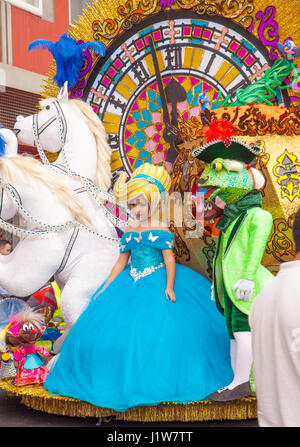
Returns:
(170, 294)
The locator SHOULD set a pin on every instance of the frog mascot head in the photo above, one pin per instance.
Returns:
(238, 275)
(228, 173)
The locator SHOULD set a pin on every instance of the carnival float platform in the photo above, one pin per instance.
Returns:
(241, 36)
(37, 398)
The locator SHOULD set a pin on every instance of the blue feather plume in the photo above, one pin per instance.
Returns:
(2, 145)
(68, 56)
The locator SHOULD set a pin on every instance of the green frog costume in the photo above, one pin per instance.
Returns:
(238, 275)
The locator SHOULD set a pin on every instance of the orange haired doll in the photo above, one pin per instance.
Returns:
(24, 329)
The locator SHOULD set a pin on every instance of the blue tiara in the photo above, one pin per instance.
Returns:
(154, 181)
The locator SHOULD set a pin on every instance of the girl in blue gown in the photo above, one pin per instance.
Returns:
(151, 333)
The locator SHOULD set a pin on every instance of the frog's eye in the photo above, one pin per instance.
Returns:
(217, 166)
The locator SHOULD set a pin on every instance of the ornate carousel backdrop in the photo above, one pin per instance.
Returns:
(206, 52)
(207, 47)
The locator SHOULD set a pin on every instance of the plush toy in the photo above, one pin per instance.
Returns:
(8, 307)
(24, 328)
(238, 275)
(288, 48)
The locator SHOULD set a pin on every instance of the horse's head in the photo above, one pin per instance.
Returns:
(45, 125)
(74, 126)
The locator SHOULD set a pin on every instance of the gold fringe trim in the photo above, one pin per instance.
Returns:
(38, 398)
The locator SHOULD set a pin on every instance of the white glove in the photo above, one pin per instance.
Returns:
(244, 289)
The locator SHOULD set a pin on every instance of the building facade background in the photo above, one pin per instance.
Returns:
(21, 72)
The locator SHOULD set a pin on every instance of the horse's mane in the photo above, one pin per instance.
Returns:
(103, 174)
(16, 167)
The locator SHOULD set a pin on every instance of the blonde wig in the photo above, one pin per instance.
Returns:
(148, 181)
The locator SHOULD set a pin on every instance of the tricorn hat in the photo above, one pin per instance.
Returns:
(231, 150)
(220, 143)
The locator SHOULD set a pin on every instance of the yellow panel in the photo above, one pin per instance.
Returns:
(229, 77)
(142, 104)
(210, 94)
(128, 82)
(222, 70)
(198, 54)
(186, 84)
(116, 165)
(149, 62)
(111, 128)
(134, 152)
(188, 57)
(111, 118)
(124, 91)
(133, 127)
(160, 61)
(115, 156)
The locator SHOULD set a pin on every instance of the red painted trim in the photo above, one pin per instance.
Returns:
(25, 149)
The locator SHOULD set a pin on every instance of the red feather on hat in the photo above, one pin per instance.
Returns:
(220, 129)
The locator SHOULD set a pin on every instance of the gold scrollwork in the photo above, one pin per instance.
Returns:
(287, 170)
(190, 129)
(280, 246)
(252, 121)
(232, 9)
(129, 16)
(209, 252)
(180, 248)
(289, 122)
(235, 8)
(264, 157)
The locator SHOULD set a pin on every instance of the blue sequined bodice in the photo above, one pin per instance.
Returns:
(146, 250)
(143, 257)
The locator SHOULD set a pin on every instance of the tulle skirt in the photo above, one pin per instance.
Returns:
(132, 347)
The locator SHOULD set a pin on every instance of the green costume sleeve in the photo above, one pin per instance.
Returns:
(259, 228)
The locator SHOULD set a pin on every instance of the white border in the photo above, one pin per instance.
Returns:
(37, 10)
(21, 79)
(3, 32)
(70, 11)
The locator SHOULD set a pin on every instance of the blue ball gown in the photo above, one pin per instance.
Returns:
(131, 346)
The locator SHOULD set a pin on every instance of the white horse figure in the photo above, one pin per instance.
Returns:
(72, 129)
(53, 241)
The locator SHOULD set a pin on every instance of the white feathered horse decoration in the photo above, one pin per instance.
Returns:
(58, 239)
(72, 129)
